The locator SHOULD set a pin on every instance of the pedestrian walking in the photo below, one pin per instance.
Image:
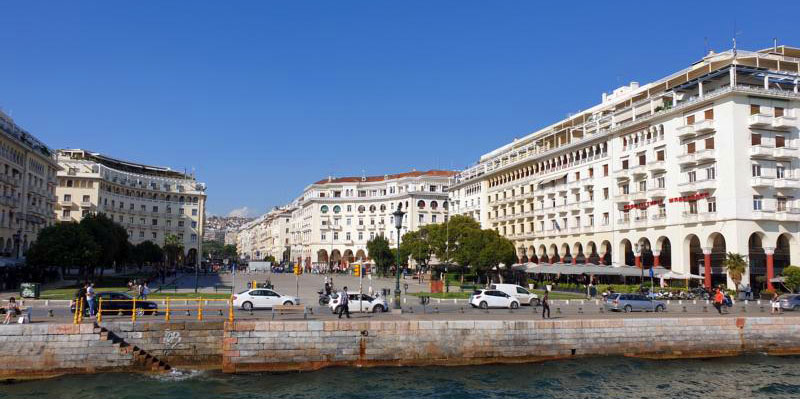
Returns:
(344, 307)
(776, 304)
(11, 310)
(90, 299)
(719, 299)
(546, 304)
(145, 291)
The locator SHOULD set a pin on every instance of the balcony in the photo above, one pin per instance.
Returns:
(784, 122)
(587, 204)
(657, 166)
(638, 196)
(686, 159)
(763, 214)
(686, 131)
(657, 192)
(788, 214)
(622, 174)
(623, 222)
(761, 181)
(704, 126)
(785, 152)
(708, 154)
(640, 220)
(707, 216)
(787, 183)
(622, 198)
(64, 218)
(659, 217)
(760, 151)
(65, 203)
(690, 217)
(574, 185)
(698, 185)
(759, 120)
(638, 170)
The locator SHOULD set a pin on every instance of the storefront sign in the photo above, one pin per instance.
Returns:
(689, 198)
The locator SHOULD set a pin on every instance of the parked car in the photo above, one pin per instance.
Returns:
(359, 303)
(115, 302)
(485, 299)
(524, 296)
(262, 298)
(634, 302)
(789, 301)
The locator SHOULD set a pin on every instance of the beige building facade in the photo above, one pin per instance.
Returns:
(673, 173)
(28, 180)
(150, 202)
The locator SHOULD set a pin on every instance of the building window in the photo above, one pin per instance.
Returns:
(711, 173)
(155, 222)
(605, 193)
(755, 139)
(361, 209)
(712, 205)
(757, 202)
(337, 208)
(605, 170)
(194, 224)
(323, 209)
(194, 237)
(347, 236)
(421, 204)
(194, 212)
(421, 218)
(693, 207)
(777, 112)
(756, 169)
(141, 234)
(322, 236)
(780, 141)
(660, 155)
(690, 147)
(433, 218)
(710, 143)
(692, 176)
(755, 109)
(154, 235)
(361, 236)
(780, 171)
(661, 182)
(781, 204)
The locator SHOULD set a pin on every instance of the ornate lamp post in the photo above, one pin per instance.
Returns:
(398, 224)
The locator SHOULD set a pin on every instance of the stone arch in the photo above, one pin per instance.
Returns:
(361, 255)
(542, 254)
(664, 247)
(591, 253)
(693, 255)
(336, 257)
(579, 255)
(606, 252)
(645, 252)
(191, 257)
(554, 257)
(566, 253)
(626, 256)
(757, 258)
(322, 256)
(348, 256)
(718, 247)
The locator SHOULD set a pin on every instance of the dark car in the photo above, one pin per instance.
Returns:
(789, 301)
(115, 302)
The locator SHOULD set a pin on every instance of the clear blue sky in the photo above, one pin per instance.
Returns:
(265, 97)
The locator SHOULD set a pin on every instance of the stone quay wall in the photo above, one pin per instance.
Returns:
(40, 350)
(276, 346)
(44, 350)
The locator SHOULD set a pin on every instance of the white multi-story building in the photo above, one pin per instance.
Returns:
(149, 201)
(675, 173)
(332, 221)
(27, 179)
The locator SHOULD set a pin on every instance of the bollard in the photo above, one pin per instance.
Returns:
(100, 310)
(410, 309)
(744, 309)
(50, 313)
(684, 309)
(220, 311)
(762, 309)
(461, 309)
(166, 314)
(435, 309)
(133, 311)
(558, 310)
(705, 309)
(602, 310)
(580, 309)
(189, 313)
(200, 309)
(230, 310)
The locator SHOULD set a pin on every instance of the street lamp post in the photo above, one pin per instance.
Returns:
(398, 224)
(17, 239)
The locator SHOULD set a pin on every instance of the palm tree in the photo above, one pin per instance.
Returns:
(735, 264)
(173, 246)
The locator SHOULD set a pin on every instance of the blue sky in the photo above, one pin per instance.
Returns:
(262, 98)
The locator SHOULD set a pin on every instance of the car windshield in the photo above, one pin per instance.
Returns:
(784, 296)
(477, 292)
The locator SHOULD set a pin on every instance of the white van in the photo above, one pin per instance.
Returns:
(524, 296)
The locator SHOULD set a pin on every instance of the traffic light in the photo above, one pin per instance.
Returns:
(297, 270)
(357, 270)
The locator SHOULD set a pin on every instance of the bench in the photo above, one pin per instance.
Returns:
(218, 287)
(468, 288)
(23, 317)
(173, 287)
(290, 309)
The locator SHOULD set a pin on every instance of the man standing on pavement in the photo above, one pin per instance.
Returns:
(90, 299)
(344, 306)
(546, 304)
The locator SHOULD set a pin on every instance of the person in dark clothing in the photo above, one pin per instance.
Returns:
(546, 304)
(344, 306)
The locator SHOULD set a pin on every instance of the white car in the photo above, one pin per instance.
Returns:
(262, 298)
(524, 296)
(486, 299)
(364, 304)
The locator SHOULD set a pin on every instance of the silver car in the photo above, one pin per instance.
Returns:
(634, 302)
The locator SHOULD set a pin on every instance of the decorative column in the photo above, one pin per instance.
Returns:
(656, 260)
(707, 266)
(770, 252)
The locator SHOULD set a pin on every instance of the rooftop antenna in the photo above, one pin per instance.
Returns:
(705, 39)
(735, 33)
(775, 44)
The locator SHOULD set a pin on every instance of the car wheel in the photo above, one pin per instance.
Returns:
(659, 308)
(247, 306)
(514, 305)
(534, 302)
(484, 305)
(322, 302)
(377, 309)
(288, 303)
(627, 308)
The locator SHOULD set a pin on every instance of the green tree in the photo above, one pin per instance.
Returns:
(212, 249)
(147, 253)
(495, 250)
(416, 245)
(446, 238)
(735, 264)
(270, 258)
(229, 252)
(791, 276)
(111, 237)
(381, 254)
(63, 245)
(173, 248)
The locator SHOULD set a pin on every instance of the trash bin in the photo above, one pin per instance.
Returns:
(29, 290)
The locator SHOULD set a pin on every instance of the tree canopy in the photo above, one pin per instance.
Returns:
(791, 277)
(378, 249)
(64, 245)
